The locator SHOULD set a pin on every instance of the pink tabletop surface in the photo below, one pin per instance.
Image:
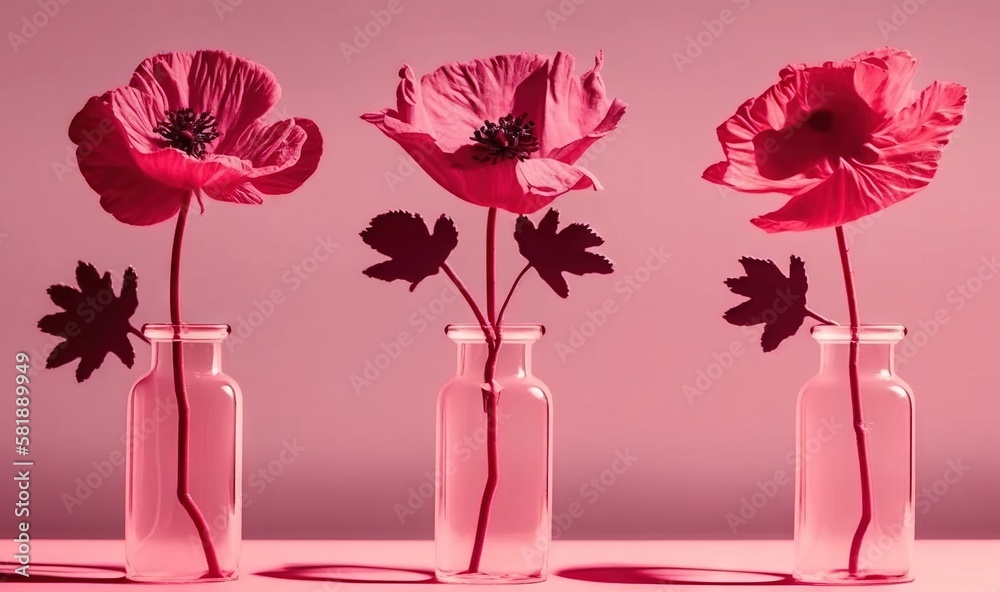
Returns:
(664, 566)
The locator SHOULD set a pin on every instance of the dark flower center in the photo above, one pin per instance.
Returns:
(186, 132)
(820, 120)
(508, 138)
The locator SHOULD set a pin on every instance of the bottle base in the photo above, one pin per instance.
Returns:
(487, 578)
(174, 579)
(842, 577)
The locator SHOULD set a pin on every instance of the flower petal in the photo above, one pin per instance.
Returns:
(841, 198)
(544, 179)
(572, 152)
(900, 69)
(105, 159)
(907, 159)
(575, 108)
(164, 78)
(459, 97)
(924, 127)
(174, 168)
(422, 147)
(409, 101)
(518, 187)
(293, 176)
(236, 91)
(138, 114)
(767, 113)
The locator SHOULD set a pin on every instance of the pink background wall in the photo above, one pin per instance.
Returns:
(622, 388)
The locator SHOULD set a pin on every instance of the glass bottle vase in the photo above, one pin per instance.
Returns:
(514, 528)
(167, 540)
(829, 467)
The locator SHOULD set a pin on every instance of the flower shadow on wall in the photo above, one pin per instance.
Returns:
(187, 125)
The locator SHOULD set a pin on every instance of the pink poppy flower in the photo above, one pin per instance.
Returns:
(844, 140)
(503, 132)
(191, 122)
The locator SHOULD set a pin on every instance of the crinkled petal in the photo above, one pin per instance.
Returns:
(138, 114)
(518, 187)
(164, 79)
(770, 143)
(908, 152)
(422, 148)
(271, 148)
(236, 91)
(572, 152)
(575, 109)
(900, 69)
(174, 168)
(923, 128)
(293, 176)
(105, 158)
(544, 179)
(841, 198)
(769, 112)
(409, 101)
(459, 97)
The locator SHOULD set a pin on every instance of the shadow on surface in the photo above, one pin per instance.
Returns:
(64, 573)
(354, 574)
(688, 576)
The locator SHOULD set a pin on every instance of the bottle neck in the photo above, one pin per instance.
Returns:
(513, 359)
(200, 357)
(874, 359)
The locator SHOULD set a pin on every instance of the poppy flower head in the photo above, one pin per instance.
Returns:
(843, 139)
(191, 123)
(505, 131)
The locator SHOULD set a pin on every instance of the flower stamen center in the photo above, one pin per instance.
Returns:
(187, 132)
(508, 138)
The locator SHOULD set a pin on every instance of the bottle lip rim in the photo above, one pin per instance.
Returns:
(185, 331)
(867, 333)
(511, 332)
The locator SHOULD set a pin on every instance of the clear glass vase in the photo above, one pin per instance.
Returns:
(829, 493)
(515, 530)
(167, 540)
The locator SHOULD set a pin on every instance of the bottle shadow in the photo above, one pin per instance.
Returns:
(686, 576)
(351, 574)
(65, 573)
